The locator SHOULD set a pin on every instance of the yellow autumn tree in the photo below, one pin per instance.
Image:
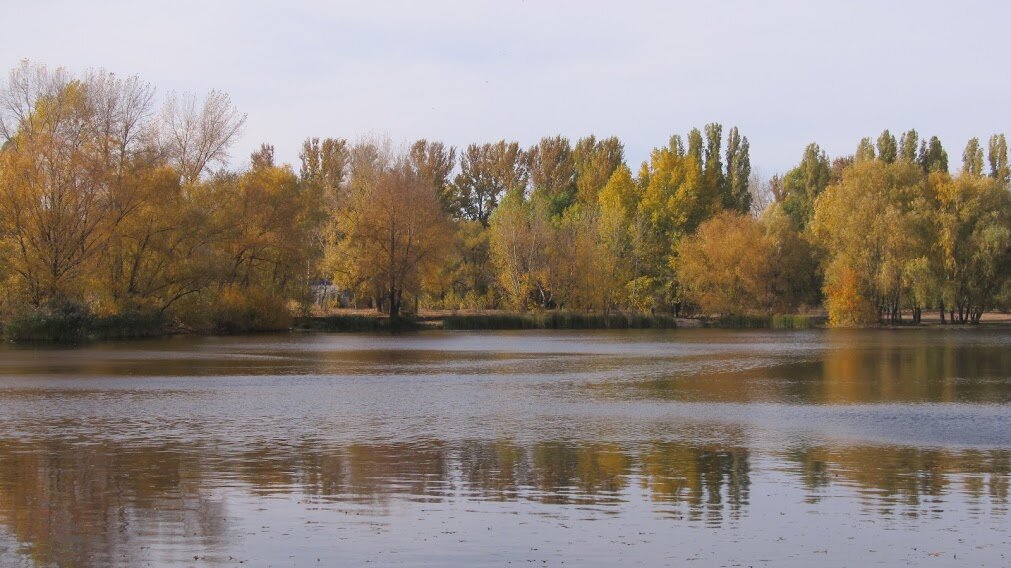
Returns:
(390, 232)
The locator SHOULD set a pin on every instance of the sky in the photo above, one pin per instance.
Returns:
(787, 73)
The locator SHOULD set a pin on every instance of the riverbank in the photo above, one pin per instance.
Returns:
(73, 327)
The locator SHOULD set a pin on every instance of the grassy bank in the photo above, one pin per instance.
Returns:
(75, 326)
(779, 321)
(355, 322)
(557, 320)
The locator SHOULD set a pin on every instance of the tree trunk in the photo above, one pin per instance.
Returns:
(394, 305)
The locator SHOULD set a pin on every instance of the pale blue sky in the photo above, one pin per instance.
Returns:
(786, 72)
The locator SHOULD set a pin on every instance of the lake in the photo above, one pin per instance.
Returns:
(657, 448)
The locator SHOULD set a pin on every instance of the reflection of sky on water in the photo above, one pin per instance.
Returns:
(486, 448)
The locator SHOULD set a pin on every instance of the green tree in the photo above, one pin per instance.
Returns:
(997, 157)
(738, 195)
(803, 184)
(933, 157)
(908, 145)
(888, 149)
(972, 158)
(713, 166)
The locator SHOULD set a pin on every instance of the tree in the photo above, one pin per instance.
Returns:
(738, 195)
(264, 237)
(933, 157)
(695, 147)
(867, 226)
(723, 266)
(972, 158)
(803, 184)
(997, 157)
(553, 172)
(197, 134)
(595, 161)
(736, 264)
(487, 172)
(974, 241)
(888, 150)
(58, 185)
(713, 166)
(162, 251)
(392, 230)
(323, 172)
(519, 236)
(621, 231)
(907, 146)
(324, 165)
(577, 261)
(865, 151)
(433, 162)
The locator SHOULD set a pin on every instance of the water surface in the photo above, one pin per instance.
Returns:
(698, 447)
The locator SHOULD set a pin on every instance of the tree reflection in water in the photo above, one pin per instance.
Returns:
(91, 505)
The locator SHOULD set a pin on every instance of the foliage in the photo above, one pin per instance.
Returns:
(736, 264)
(392, 231)
(117, 206)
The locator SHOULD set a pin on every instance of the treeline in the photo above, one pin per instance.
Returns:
(111, 207)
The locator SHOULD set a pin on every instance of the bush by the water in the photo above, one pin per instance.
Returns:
(238, 310)
(129, 325)
(70, 322)
(737, 321)
(778, 321)
(558, 320)
(789, 321)
(355, 322)
(65, 322)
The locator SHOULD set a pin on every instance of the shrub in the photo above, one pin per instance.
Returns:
(789, 321)
(62, 322)
(240, 309)
(129, 325)
(845, 301)
(355, 323)
(736, 321)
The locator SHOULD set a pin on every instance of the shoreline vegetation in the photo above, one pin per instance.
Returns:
(120, 218)
(76, 328)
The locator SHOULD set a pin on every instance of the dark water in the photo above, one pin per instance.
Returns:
(691, 447)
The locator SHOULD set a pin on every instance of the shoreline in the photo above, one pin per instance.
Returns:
(360, 321)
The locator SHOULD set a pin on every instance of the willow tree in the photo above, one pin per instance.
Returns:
(737, 264)
(57, 189)
(391, 231)
(871, 227)
(974, 244)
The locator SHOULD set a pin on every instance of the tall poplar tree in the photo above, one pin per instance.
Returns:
(887, 147)
(972, 158)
